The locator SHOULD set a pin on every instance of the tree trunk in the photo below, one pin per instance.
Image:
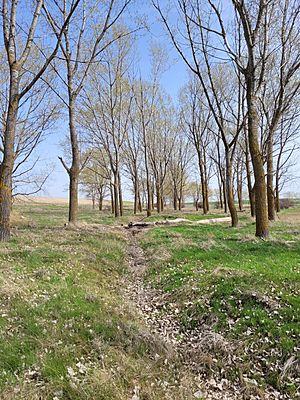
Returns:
(100, 200)
(100, 203)
(179, 203)
(7, 164)
(181, 198)
(140, 205)
(75, 167)
(120, 195)
(229, 191)
(251, 193)
(202, 181)
(116, 194)
(206, 195)
(152, 198)
(224, 195)
(73, 195)
(220, 191)
(240, 196)
(135, 205)
(262, 225)
(162, 202)
(270, 189)
(203, 189)
(112, 198)
(149, 199)
(175, 200)
(277, 201)
(148, 185)
(158, 199)
(239, 187)
(205, 182)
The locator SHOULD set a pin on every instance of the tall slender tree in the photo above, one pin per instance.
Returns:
(19, 46)
(78, 56)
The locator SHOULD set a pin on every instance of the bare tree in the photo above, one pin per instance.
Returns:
(196, 117)
(95, 178)
(161, 139)
(133, 158)
(146, 97)
(201, 49)
(277, 94)
(19, 46)
(79, 54)
(181, 158)
(255, 27)
(107, 107)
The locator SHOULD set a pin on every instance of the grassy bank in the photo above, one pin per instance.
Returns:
(66, 332)
(245, 290)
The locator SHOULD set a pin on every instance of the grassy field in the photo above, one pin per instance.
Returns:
(67, 333)
(245, 289)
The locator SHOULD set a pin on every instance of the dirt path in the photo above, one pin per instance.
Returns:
(193, 347)
(149, 301)
(159, 315)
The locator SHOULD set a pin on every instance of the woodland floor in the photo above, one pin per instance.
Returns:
(170, 312)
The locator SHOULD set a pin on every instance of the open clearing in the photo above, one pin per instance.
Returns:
(169, 312)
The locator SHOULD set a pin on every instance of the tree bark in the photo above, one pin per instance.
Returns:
(179, 203)
(262, 225)
(240, 196)
(152, 198)
(277, 198)
(175, 201)
(7, 164)
(75, 167)
(239, 185)
(149, 195)
(270, 187)
(229, 191)
(120, 195)
(203, 185)
(251, 193)
(135, 204)
(112, 200)
(100, 203)
(205, 181)
(140, 205)
(73, 195)
(158, 199)
(220, 192)
(162, 203)
(116, 194)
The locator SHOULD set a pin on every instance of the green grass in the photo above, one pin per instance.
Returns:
(66, 332)
(249, 288)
